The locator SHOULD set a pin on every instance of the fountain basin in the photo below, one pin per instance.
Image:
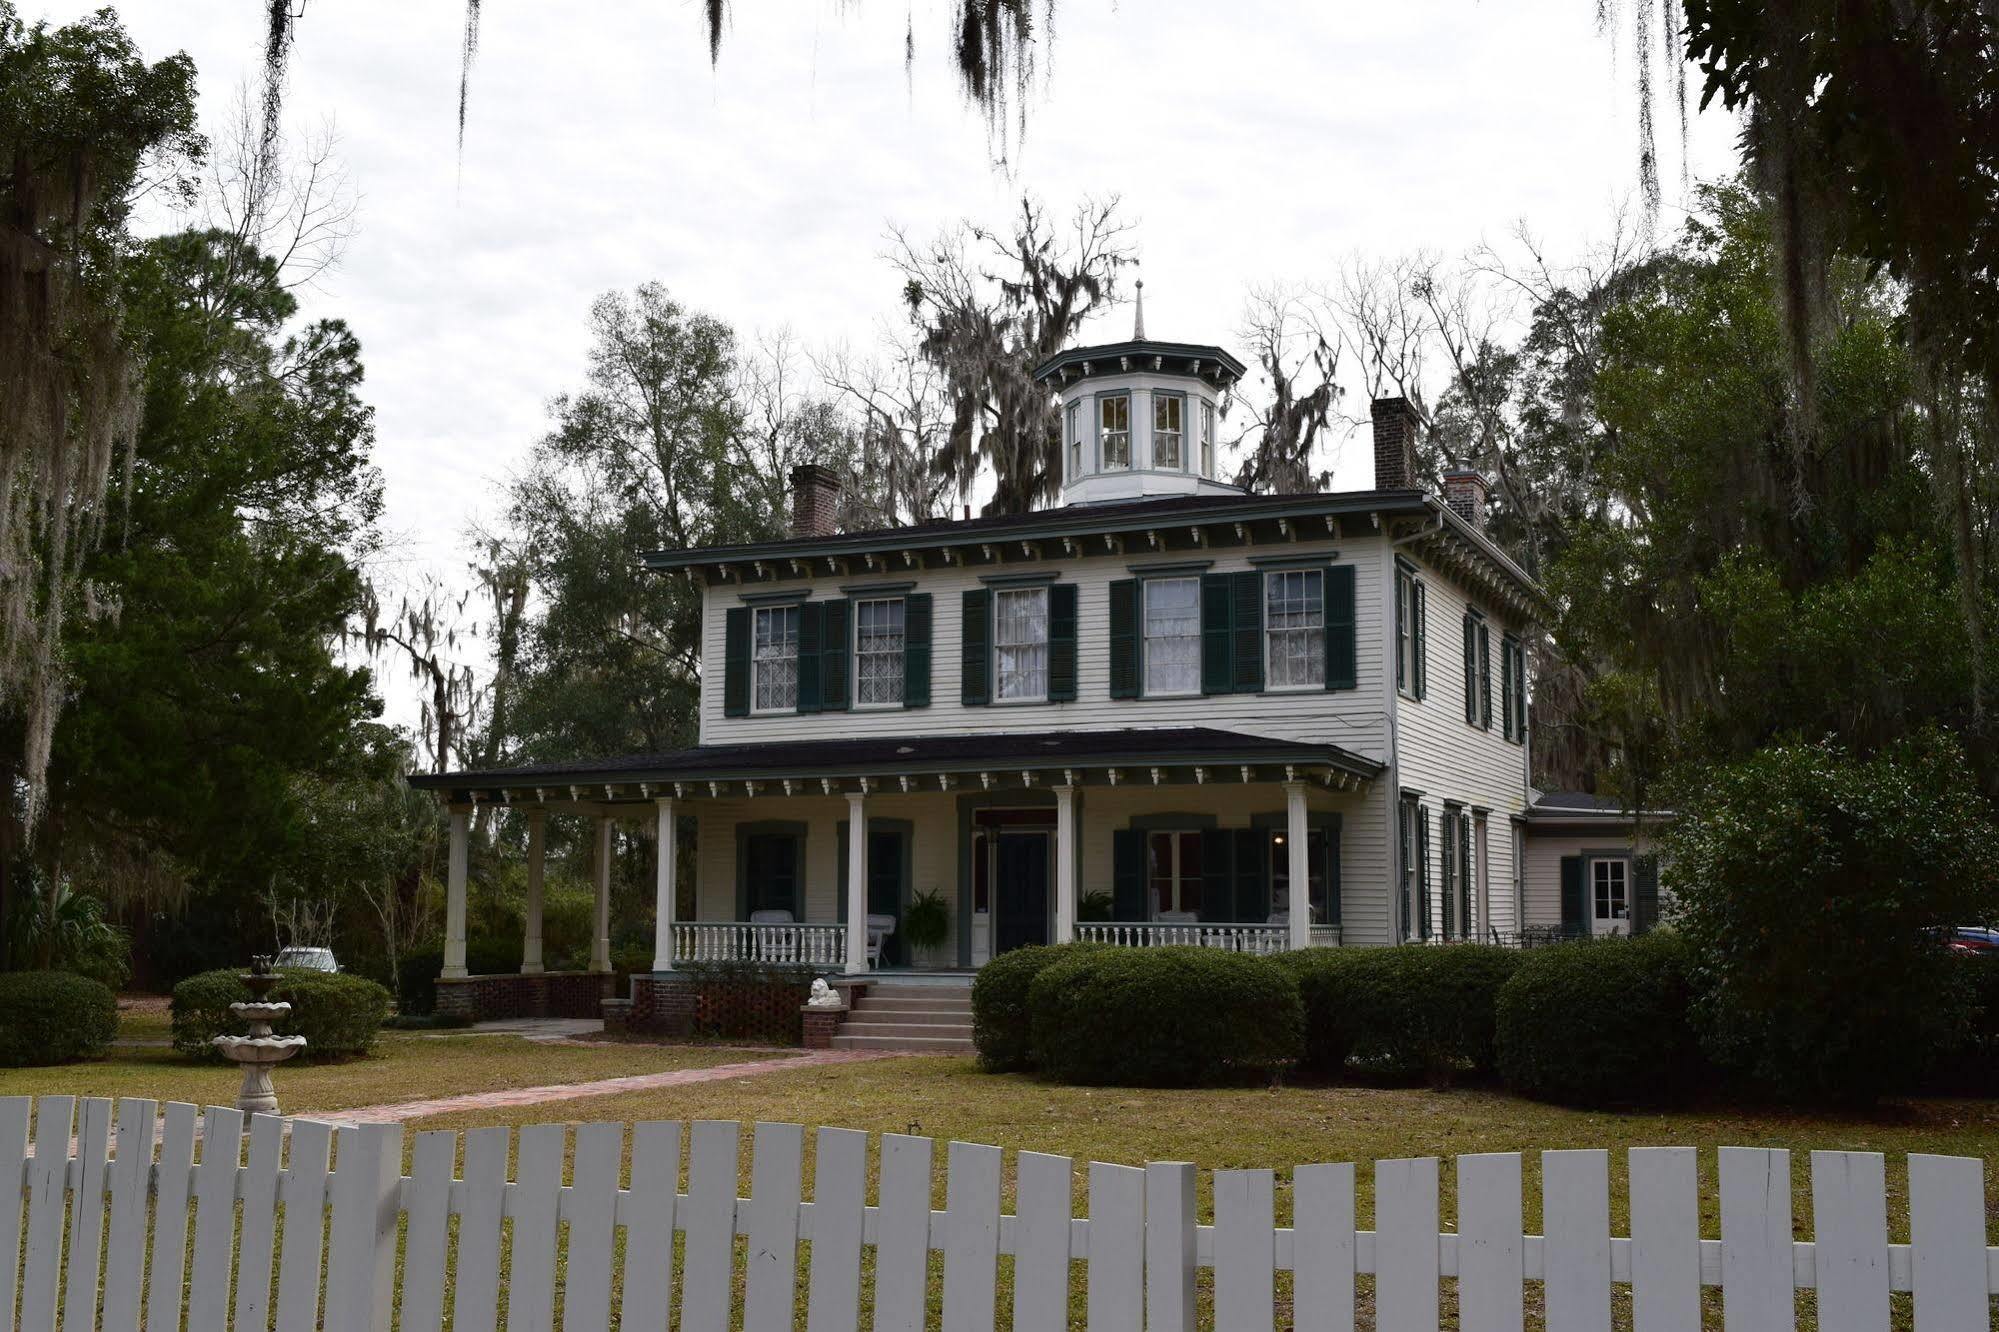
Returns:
(258, 1049)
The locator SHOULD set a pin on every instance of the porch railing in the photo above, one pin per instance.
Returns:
(778, 945)
(1235, 938)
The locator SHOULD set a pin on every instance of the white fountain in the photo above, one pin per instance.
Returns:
(259, 1051)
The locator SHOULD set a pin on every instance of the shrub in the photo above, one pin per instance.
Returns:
(1163, 1017)
(1971, 1065)
(53, 1017)
(1811, 885)
(1401, 1013)
(1600, 1023)
(338, 1015)
(1001, 1025)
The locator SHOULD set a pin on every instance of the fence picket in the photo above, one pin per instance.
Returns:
(1245, 1249)
(648, 1286)
(971, 1237)
(593, 1227)
(433, 1159)
(770, 1272)
(1756, 1280)
(1491, 1258)
(1322, 1248)
(303, 1193)
(1405, 1244)
(86, 1216)
(361, 1236)
(1947, 1236)
(1043, 1202)
(708, 1281)
(902, 1233)
(42, 1277)
(214, 1217)
(1575, 1224)
(839, 1203)
(260, 1217)
(475, 1297)
(15, 1111)
(1665, 1239)
(1850, 1240)
(536, 1199)
(1116, 1282)
(131, 1193)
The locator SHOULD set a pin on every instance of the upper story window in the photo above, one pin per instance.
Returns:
(1020, 643)
(775, 659)
(1173, 873)
(1114, 430)
(1478, 671)
(878, 651)
(1207, 439)
(1075, 440)
(1172, 635)
(1167, 430)
(1513, 687)
(1411, 638)
(1295, 628)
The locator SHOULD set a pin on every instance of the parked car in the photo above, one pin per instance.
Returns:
(306, 959)
(1974, 939)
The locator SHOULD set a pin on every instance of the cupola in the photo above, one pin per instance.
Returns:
(1140, 419)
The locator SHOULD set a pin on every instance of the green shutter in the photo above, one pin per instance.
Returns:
(1252, 876)
(1342, 648)
(1449, 866)
(808, 656)
(836, 649)
(1519, 691)
(1218, 858)
(916, 650)
(1216, 657)
(975, 658)
(1645, 881)
(1575, 897)
(1471, 668)
(1401, 628)
(1333, 873)
(1485, 676)
(1420, 640)
(1062, 643)
(1246, 637)
(1124, 638)
(736, 662)
(1507, 726)
(1128, 875)
(1422, 873)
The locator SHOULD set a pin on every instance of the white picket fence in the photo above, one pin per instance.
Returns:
(108, 1243)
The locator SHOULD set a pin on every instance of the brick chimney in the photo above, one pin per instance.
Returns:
(1464, 491)
(1395, 426)
(815, 500)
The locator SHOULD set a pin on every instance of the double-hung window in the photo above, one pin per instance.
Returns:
(1513, 687)
(1295, 628)
(1207, 439)
(1172, 636)
(1478, 671)
(1411, 640)
(775, 659)
(1114, 430)
(1020, 643)
(1167, 430)
(1173, 872)
(878, 649)
(1075, 440)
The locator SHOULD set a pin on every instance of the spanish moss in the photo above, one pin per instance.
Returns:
(468, 51)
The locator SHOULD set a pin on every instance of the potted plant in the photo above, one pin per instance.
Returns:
(925, 925)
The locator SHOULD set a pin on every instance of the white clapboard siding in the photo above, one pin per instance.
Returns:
(75, 1253)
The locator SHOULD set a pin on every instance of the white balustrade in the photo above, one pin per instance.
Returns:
(1261, 940)
(772, 945)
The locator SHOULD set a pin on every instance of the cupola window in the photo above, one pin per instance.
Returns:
(1075, 440)
(1114, 430)
(1166, 430)
(1207, 439)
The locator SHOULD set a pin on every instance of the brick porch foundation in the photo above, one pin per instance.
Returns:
(578, 994)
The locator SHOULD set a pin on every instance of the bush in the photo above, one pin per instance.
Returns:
(53, 1017)
(1401, 1013)
(1001, 1025)
(1600, 1023)
(338, 1015)
(1811, 886)
(1163, 1017)
(1971, 1066)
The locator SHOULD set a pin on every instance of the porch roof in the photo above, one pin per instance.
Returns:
(1185, 753)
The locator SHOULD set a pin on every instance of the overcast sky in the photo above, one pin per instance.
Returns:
(1249, 141)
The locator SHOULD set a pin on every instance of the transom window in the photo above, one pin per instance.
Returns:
(1172, 635)
(1114, 429)
(1166, 431)
(1295, 627)
(775, 659)
(878, 647)
(1020, 641)
(1610, 894)
(1207, 439)
(1173, 873)
(1075, 440)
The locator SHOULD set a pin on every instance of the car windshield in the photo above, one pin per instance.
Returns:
(318, 959)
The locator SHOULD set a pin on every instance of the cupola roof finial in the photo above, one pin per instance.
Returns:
(1138, 319)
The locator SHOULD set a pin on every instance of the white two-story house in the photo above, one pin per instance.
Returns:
(1160, 711)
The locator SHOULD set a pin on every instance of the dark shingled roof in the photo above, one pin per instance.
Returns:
(926, 753)
(1582, 804)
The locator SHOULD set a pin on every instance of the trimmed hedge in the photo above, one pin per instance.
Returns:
(53, 1017)
(1600, 1023)
(1001, 1023)
(337, 1014)
(1401, 1013)
(1163, 1017)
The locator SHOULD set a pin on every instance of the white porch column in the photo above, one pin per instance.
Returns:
(665, 878)
(1065, 863)
(600, 923)
(454, 894)
(1297, 846)
(531, 938)
(857, 882)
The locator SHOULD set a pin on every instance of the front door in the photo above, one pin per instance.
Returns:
(885, 890)
(1610, 896)
(1020, 906)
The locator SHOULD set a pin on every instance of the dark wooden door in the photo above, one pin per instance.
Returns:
(885, 890)
(1021, 902)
